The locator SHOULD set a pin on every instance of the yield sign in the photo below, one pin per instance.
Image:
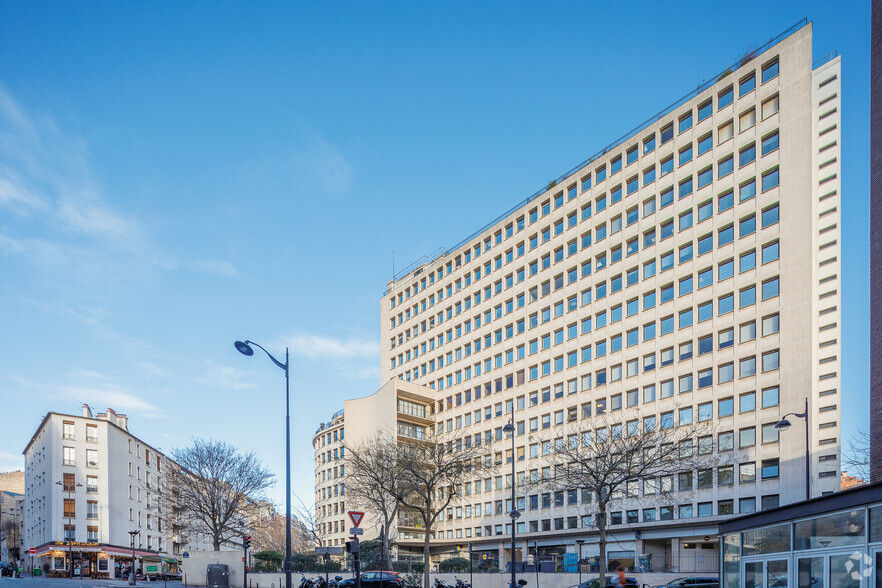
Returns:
(356, 517)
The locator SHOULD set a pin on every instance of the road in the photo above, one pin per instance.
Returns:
(78, 583)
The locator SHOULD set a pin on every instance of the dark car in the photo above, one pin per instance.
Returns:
(375, 580)
(6, 569)
(693, 582)
(612, 582)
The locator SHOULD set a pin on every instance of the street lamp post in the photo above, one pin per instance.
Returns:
(69, 537)
(132, 569)
(244, 347)
(783, 425)
(515, 514)
(579, 542)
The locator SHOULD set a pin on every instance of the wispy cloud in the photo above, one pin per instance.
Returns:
(11, 462)
(326, 347)
(68, 221)
(93, 388)
(225, 377)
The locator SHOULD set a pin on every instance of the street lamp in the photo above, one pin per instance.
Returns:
(784, 424)
(515, 515)
(579, 542)
(69, 525)
(132, 570)
(244, 347)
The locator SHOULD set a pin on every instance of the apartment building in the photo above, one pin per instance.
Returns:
(89, 482)
(688, 273)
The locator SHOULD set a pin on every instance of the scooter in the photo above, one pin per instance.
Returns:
(439, 584)
(461, 584)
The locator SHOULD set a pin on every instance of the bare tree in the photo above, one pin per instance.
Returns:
(372, 477)
(431, 473)
(611, 460)
(269, 534)
(856, 459)
(216, 489)
(310, 528)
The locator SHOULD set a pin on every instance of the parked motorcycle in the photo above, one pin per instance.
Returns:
(439, 584)
(461, 584)
(306, 582)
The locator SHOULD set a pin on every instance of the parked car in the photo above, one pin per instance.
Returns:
(611, 582)
(375, 580)
(7, 569)
(693, 582)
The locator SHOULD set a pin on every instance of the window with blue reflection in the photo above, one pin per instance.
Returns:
(616, 195)
(667, 197)
(725, 98)
(747, 261)
(633, 184)
(667, 133)
(747, 297)
(667, 165)
(685, 253)
(667, 294)
(632, 307)
(686, 220)
(705, 177)
(747, 226)
(770, 216)
(770, 143)
(649, 144)
(648, 176)
(667, 261)
(747, 191)
(726, 270)
(686, 155)
(705, 143)
(705, 210)
(747, 155)
(600, 174)
(770, 71)
(633, 276)
(705, 278)
(615, 166)
(726, 166)
(726, 201)
(686, 285)
(770, 252)
(705, 110)
(685, 122)
(705, 311)
(770, 179)
(686, 187)
(726, 235)
(632, 155)
(746, 85)
(705, 244)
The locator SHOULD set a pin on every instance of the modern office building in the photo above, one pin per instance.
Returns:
(688, 273)
(88, 483)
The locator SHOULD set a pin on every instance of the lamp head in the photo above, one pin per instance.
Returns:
(515, 514)
(508, 428)
(782, 425)
(244, 348)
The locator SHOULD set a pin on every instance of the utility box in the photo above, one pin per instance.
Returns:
(217, 576)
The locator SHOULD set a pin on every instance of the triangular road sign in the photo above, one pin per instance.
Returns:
(356, 517)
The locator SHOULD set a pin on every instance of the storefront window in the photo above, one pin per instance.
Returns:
(731, 560)
(876, 524)
(766, 540)
(845, 528)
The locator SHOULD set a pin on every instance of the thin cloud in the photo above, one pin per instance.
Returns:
(225, 377)
(93, 388)
(10, 462)
(326, 347)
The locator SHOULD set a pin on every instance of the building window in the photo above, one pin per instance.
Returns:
(68, 430)
(69, 456)
(69, 483)
(70, 508)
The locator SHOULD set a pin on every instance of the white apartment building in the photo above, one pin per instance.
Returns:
(688, 273)
(90, 482)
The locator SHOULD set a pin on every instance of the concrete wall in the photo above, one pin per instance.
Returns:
(195, 566)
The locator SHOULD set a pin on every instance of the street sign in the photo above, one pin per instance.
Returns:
(356, 517)
(330, 550)
(484, 557)
(32, 550)
(186, 554)
(356, 531)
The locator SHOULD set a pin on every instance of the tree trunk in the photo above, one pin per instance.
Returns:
(426, 552)
(601, 543)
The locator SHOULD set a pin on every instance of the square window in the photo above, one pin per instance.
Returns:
(770, 70)
(747, 84)
(770, 179)
(725, 97)
(705, 110)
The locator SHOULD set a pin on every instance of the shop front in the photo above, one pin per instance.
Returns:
(90, 560)
(834, 541)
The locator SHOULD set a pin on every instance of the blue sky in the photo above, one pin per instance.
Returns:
(175, 176)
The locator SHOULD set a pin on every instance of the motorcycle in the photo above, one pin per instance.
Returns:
(306, 582)
(461, 584)
(439, 584)
(521, 583)
(333, 583)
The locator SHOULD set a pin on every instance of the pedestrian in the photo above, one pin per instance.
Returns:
(620, 577)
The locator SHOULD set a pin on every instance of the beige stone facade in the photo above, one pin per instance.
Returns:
(688, 274)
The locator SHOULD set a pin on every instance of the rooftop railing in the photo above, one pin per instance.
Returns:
(743, 60)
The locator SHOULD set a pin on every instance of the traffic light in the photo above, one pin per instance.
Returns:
(352, 547)
(246, 543)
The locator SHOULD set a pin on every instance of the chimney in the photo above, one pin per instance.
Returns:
(122, 421)
(87, 412)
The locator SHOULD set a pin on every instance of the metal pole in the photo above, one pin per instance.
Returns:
(808, 459)
(579, 561)
(69, 544)
(514, 580)
(471, 580)
(536, 549)
(287, 473)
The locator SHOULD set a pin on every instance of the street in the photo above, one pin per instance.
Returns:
(29, 582)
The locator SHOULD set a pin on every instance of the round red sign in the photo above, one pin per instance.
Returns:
(32, 550)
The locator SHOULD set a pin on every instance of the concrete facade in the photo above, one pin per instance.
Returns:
(90, 481)
(688, 272)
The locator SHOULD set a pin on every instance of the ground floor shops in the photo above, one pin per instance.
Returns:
(649, 549)
(86, 560)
